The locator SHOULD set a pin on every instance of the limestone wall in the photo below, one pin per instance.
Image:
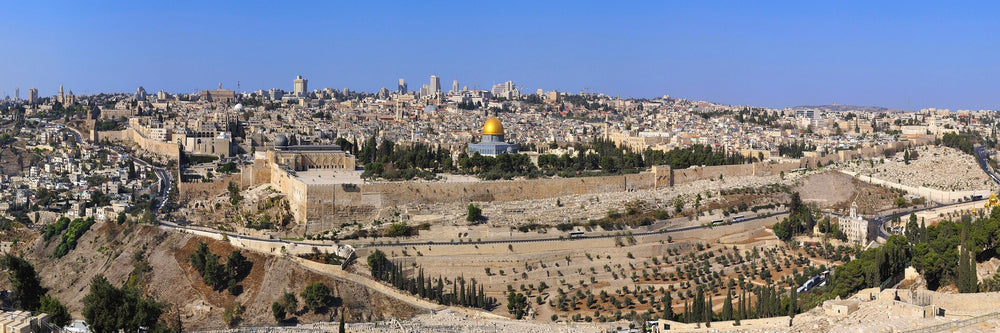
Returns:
(323, 207)
(258, 173)
(966, 304)
(295, 190)
(169, 149)
(188, 191)
(401, 193)
(662, 176)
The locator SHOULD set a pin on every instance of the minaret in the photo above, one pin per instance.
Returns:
(606, 126)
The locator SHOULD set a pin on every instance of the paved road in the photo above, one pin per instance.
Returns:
(981, 157)
(163, 176)
(606, 234)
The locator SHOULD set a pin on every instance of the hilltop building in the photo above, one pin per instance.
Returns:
(301, 86)
(219, 95)
(493, 143)
(855, 227)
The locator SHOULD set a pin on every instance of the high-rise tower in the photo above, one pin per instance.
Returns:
(300, 86)
(435, 85)
(402, 87)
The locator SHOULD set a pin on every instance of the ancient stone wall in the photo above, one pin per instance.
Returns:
(256, 174)
(663, 176)
(169, 149)
(323, 206)
(295, 190)
(401, 193)
(188, 191)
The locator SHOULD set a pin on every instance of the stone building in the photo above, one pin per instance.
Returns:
(493, 143)
(218, 95)
(311, 177)
(855, 227)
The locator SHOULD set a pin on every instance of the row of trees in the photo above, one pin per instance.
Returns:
(383, 269)
(503, 166)
(389, 161)
(795, 150)
(682, 158)
(758, 302)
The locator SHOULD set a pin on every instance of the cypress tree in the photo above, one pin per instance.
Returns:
(727, 307)
(440, 291)
(482, 298)
(429, 288)
(698, 307)
(793, 303)
(420, 283)
(454, 292)
(668, 309)
(739, 307)
(461, 292)
(709, 312)
(687, 312)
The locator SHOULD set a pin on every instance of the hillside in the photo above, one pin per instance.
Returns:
(111, 250)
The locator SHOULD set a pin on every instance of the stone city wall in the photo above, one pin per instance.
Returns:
(171, 150)
(188, 191)
(295, 190)
(402, 193)
(324, 206)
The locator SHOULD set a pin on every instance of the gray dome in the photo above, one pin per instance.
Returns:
(281, 140)
(238, 107)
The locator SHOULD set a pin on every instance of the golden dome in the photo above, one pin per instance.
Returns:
(493, 127)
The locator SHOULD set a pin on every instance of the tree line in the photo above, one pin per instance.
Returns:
(463, 293)
(387, 160)
(965, 141)
(795, 150)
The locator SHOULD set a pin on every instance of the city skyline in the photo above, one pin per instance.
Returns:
(897, 55)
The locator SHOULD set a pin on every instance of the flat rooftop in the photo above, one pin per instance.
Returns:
(328, 176)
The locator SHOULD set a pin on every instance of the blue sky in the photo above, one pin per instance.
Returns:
(908, 55)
